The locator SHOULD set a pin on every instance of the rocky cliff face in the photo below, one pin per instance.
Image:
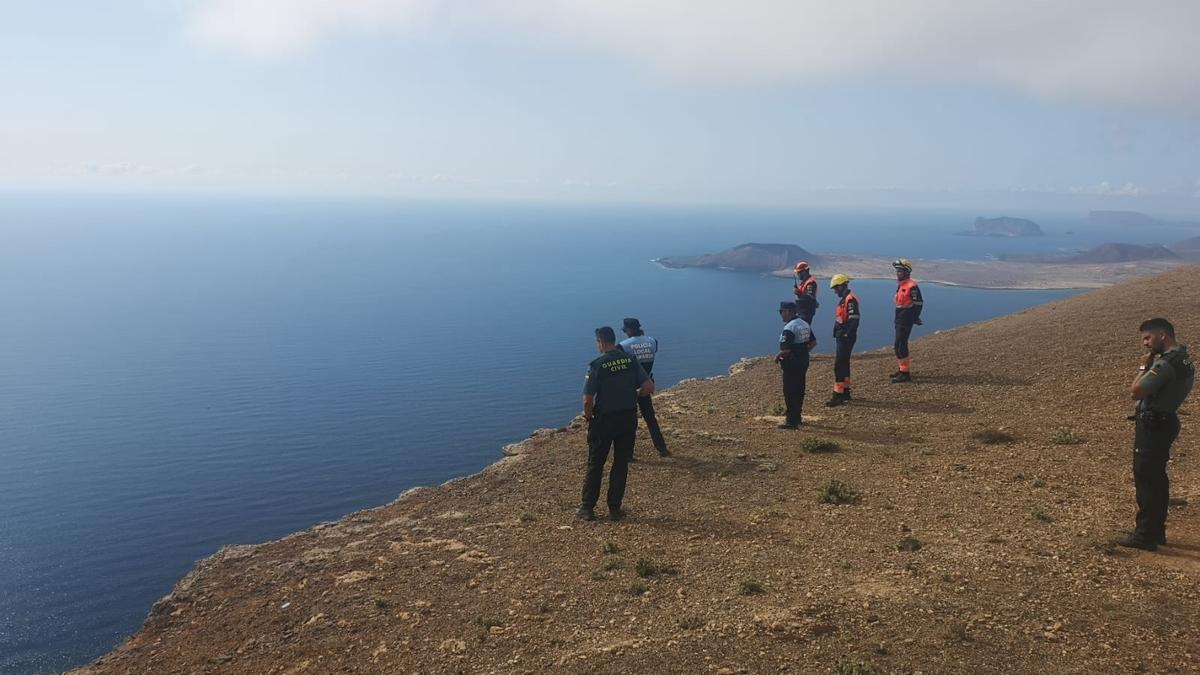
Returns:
(963, 523)
(745, 258)
(1005, 226)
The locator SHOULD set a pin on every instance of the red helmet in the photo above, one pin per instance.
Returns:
(801, 267)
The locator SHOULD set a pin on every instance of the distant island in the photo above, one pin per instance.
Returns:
(1124, 218)
(1188, 248)
(744, 258)
(1103, 266)
(1105, 253)
(1004, 226)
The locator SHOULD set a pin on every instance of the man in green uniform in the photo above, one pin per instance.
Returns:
(1161, 385)
(615, 380)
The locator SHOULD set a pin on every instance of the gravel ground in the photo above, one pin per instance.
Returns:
(988, 494)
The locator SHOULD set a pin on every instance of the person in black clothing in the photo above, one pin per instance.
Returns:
(909, 304)
(1160, 387)
(645, 348)
(805, 290)
(795, 343)
(615, 380)
(845, 334)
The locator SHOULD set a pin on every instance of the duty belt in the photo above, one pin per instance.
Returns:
(1153, 416)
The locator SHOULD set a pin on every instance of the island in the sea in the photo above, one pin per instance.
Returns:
(1103, 266)
(1004, 226)
(1105, 253)
(745, 258)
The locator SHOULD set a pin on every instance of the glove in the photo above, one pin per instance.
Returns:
(918, 322)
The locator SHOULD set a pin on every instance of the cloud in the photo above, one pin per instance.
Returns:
(1107, 189)
(1097, 51)
(271, 28)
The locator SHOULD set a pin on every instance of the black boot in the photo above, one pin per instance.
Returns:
(901, 377)
(1135, 540)
(837, 399)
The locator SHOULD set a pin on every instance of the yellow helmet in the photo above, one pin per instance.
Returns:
(838, 280)
(903, 264)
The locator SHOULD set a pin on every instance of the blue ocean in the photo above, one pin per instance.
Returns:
(179, 373)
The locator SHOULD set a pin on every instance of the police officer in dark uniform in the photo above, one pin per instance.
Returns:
(615, 380)
(796, 341)
(1161, 385)
(645, 348)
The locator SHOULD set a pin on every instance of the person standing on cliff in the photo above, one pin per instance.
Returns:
(614, 382)
(805, 290)
(1163, 382)
(845, 334)
(795, 343)
(644, 348)
(909, 304)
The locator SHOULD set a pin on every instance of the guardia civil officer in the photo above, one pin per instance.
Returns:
(615, 380)
(805, 290)
(845, 334)
(1162, 383)
(909, 304)
(795, 343)
(644, 348)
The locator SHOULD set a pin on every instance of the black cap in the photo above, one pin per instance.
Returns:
(632, 324)
(787, 305)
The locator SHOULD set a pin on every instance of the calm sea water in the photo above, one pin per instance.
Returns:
(180, 373)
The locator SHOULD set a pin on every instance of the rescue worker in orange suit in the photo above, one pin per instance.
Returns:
(806, 293)
(908, 314)
(845, 333)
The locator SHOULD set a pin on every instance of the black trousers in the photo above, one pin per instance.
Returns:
(646, 406)
(841, 359)
(617, 431)
(903, 331)
(795, 375)
(1152, 439)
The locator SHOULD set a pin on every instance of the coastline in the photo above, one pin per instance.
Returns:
(980, 274)
(451, 523)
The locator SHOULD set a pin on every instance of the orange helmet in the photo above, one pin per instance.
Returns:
(801, 267)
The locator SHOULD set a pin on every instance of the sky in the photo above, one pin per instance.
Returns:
(1073, 103)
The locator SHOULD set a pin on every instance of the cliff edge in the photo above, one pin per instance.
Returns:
(988, 494)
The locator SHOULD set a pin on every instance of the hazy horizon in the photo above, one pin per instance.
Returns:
(1078, 106)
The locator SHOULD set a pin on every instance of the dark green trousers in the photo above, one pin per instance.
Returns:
(1152, 439)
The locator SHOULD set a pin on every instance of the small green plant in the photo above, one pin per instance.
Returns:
(692, 622)
(484, 627)
(778, 410)
(1038, 483)
(853, 667)
(993, 437)
(598, 575)
(638, 587)
(647, 568)
(1065, 436)
(995, 540)
(611, 548)
(528, 517)
(834, 491)
(750, 586)
(813, 444)
(610, 564)
(1042, 516)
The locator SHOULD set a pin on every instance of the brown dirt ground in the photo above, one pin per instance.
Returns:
(1016, 572)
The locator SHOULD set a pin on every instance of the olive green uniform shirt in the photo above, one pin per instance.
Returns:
(614, 379)
(1168, 381)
